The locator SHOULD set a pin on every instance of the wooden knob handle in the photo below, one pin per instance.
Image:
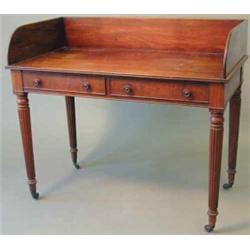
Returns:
(87, 86)
(37, 83)
(186, 93)
(127, 89)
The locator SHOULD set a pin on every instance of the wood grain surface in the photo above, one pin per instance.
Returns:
(36, 39)
(124, 62)
(192, 35)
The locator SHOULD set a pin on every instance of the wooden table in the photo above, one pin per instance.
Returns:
(186, 62)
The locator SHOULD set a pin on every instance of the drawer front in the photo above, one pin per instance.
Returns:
(159, 90)
(53, 82)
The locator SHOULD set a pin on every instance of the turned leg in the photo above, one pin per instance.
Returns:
(25, 126)
(234, 122)
(71, 118)
(215, 153)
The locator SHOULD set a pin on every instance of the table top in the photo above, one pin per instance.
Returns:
(129, 62)
(171, 49)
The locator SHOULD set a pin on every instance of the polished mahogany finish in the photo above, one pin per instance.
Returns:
(25, 126)
(158, 90)
(154, 64)
(182, 61)
(234, 122)
(35, 39)
(192, 35)
(71, 118)
(215, 154)
(61, 83)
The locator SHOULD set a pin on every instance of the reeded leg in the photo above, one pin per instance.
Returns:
(215, 154)
(70, 108)
(25, 126)
(234, 121)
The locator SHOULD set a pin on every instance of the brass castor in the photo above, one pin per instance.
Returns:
(35, 195)
(77, 166)
(227, 185)
(209, 228)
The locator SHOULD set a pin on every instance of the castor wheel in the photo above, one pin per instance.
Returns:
(77, 166)
(227, 185)
(209, 228)
(35, 195)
